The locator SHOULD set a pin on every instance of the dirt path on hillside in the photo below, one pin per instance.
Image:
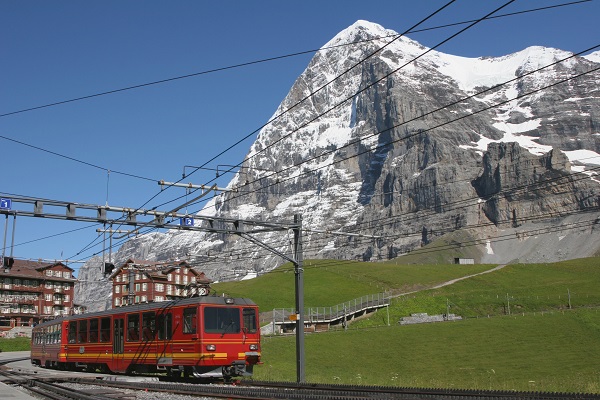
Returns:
(452, 281)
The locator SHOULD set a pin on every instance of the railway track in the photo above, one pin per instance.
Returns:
(49, 387)
(121, 387)
(292, 391)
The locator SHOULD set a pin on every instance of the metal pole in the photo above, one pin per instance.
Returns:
(131, 294)
(4, 244)
(388, 313)
(299, 283)
(12, 240)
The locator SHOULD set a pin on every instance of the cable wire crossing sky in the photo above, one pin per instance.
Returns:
(101, 100)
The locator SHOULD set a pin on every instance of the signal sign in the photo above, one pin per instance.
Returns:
(5, 204)
(187, 221)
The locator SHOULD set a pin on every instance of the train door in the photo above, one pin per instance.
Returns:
(71, 347)
(164, 338)
(118, 344)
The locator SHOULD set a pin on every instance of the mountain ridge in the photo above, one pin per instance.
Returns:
(405, 156)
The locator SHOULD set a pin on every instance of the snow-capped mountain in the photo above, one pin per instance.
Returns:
(381, 136)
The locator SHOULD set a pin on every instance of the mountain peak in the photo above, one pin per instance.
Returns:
(360, 30)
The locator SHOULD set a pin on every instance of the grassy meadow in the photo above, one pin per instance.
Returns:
(525, 327)
(15, 344)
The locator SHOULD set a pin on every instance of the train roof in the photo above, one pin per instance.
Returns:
(161, 305)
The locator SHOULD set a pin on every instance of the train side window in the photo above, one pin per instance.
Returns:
(105, 330)
(165, 326)
(133, 327)
(94, 330)
(190, 320)
(83, 331)
(249, 315)
(148, 325)
(72, 331)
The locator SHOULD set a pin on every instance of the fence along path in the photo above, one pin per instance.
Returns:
(334, 314)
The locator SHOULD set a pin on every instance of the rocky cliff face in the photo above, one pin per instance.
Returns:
(406, 151)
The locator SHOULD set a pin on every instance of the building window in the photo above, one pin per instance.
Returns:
(144, 299)
(117, 289)
(67, 274)
(137, 287)
(117, 301)
(48, 297)
(48, 285)
(159, 287)
(177, 279)
(144, 287)
(67, 297)
(118, 278)
(48, 272)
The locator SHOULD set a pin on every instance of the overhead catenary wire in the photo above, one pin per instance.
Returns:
(381, 145)
(264, 60)
(528, 93)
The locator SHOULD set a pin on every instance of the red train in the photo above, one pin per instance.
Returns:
(204, 337)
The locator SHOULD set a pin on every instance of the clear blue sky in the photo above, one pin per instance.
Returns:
(51, 51)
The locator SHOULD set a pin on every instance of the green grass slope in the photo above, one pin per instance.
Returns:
(550, 352)
(526, 326)
(327, 283)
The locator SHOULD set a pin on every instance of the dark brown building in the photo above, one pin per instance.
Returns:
(142, 281)
(34, 291)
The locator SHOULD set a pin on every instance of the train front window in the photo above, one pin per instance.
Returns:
(189, 320)
(221, 320)
(249, 320)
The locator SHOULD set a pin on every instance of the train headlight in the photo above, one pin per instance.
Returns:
(253, 347)
(211, 347)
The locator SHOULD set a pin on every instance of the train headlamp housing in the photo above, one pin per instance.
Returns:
(253, 347)
(211, 347)
(229, 300)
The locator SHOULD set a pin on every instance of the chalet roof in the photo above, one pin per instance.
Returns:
(160, 270)
(33, 270)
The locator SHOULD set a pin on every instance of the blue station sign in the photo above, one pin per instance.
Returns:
(5, 204)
